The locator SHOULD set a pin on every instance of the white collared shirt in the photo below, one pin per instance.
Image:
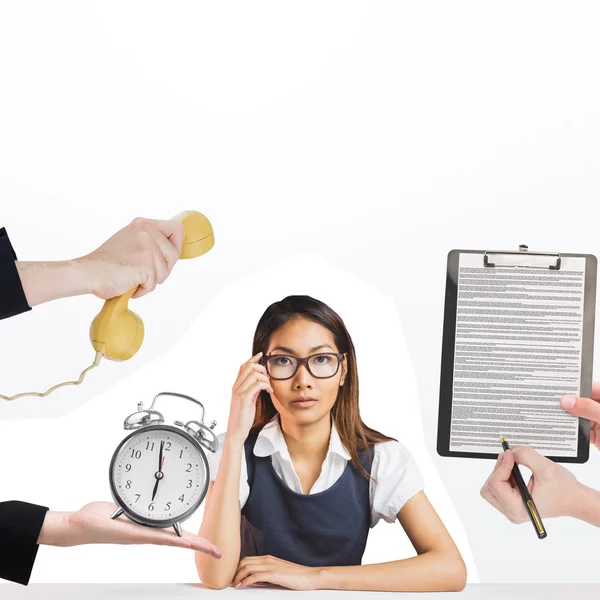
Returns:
(397, 476)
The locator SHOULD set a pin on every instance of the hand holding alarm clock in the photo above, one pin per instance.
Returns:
(91, 525)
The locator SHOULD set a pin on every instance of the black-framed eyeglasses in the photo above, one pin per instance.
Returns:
(284, 366)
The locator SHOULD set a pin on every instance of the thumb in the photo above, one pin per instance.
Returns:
(504, 469)
(581, 407)
(531, 459)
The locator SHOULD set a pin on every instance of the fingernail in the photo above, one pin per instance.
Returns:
(568, 401)
(499, 459)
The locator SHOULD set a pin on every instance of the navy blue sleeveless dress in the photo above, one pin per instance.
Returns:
(329, 528)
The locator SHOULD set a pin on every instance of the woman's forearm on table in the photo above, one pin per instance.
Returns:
(221, 520)
(433, 571)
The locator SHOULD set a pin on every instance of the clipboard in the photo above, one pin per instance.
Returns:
(493, 371)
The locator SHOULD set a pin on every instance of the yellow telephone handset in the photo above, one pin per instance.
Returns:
(117, 332)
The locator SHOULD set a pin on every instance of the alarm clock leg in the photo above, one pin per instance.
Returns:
(117, 513)
(177, 528)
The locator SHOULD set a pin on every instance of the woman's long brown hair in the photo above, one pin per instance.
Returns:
(354, 434)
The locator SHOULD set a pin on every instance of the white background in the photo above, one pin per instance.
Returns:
(366, 139)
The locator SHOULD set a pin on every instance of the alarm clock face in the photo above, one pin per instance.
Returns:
(159, 475)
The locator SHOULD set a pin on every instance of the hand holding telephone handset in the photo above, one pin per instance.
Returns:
(116, 333)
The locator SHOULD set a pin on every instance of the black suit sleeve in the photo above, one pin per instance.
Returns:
(20, 522)
(20, 526)
(12, 296)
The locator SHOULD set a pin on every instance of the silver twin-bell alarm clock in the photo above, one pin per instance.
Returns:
(159, 474)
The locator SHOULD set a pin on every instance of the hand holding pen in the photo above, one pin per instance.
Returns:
(553, 489)
(525, 492)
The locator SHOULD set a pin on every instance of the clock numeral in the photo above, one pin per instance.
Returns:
(167, 446)
(181, 497)
(137, 497)
(127, 467)
(135, 453)
(128, 484)
(189, 469)
(151, 506)
(168, 506)
(189, 485)
(150, 446)
(181, 454)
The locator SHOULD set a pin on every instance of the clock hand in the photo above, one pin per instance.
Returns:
(161, 461)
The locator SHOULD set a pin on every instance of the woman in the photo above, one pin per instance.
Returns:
(300, 478)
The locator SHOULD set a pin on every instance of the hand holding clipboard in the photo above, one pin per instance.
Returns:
(586, 408)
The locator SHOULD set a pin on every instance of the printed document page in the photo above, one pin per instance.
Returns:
(517, 351)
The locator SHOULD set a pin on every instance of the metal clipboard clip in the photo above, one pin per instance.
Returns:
(523, 249)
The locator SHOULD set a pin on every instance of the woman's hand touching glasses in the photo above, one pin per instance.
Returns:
(251, 380)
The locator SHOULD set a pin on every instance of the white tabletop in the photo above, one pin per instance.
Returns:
(56, 591)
